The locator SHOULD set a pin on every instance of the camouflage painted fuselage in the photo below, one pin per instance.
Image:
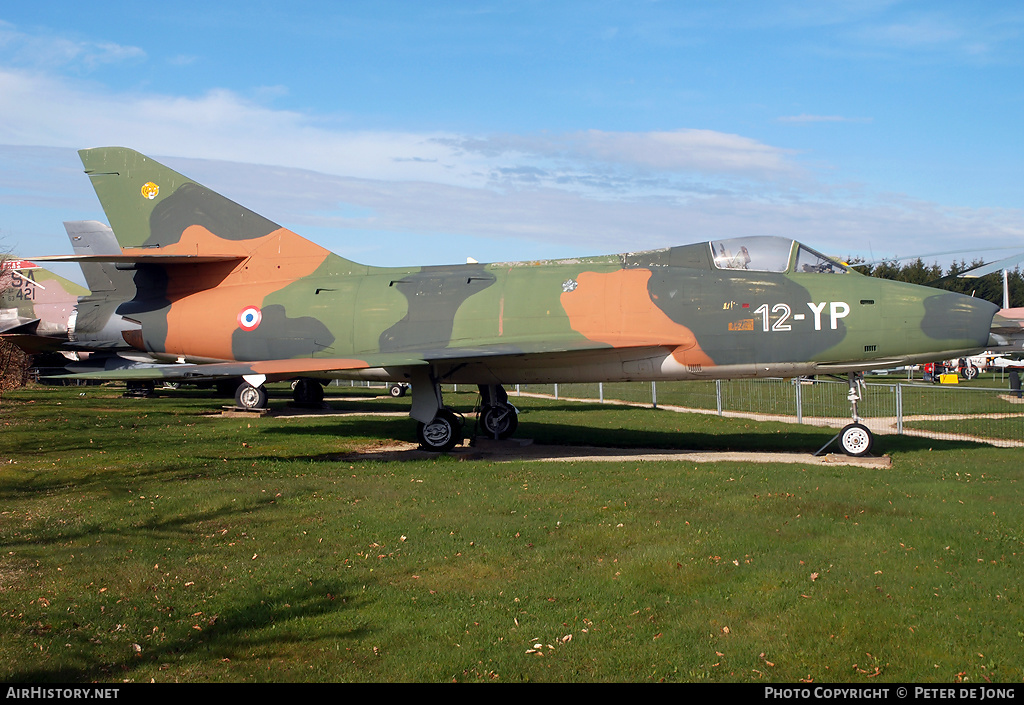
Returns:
(215, 282)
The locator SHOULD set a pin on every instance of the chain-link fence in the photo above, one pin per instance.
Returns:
(989, 414)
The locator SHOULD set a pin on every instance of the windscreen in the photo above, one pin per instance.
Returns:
(807, 260)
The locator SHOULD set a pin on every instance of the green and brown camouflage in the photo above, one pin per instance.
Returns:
(219, 289)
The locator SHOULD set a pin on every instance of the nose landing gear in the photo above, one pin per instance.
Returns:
(855, 439)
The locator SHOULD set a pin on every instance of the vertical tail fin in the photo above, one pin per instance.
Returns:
(152, 206)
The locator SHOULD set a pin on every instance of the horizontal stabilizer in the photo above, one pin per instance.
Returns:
(34, 344)
(20, 325)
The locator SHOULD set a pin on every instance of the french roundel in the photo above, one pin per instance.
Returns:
(249, 318)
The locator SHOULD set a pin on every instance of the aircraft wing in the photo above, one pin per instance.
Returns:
(499, 357)
(128, 258)
(272, 370)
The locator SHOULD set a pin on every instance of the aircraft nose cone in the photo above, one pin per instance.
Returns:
(952, 316)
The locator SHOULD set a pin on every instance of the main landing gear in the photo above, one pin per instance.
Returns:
(442, 433)
(308, 392)
(251, 397)
(498, 418)
(305, 392)
(440, 429)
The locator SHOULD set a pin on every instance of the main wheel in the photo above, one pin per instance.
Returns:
(442, 434)
(499, 421)
(250, 397)
(970, 372)
(139, 389)
(307, 391)
(397, 390)
(856, 440)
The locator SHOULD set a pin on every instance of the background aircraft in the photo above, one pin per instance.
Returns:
(36, 304)
(223, 292)
(44, 313)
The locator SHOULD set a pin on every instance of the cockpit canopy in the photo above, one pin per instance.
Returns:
(771, 254)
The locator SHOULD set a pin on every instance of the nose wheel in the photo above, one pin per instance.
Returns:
(856, 440)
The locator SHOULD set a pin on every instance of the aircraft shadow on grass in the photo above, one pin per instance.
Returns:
(211, 637)
(629, 440)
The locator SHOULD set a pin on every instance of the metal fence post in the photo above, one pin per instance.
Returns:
(799, 400)
(718, 395)
(556, 390)
(600, 391)
(654, 394)
(899, 409)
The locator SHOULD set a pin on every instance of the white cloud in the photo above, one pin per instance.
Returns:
(46, 51)
(39, 109)
(683, 150)
(590, 190)
(991, 34)
(430, 212)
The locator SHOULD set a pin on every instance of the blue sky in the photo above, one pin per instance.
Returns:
(428, 132)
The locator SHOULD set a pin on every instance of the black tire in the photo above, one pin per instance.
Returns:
(442, 434)
(307, 391)
(227, 387)
(499, 422)
(970, 372)
(250, 397)
(856, 440)
(397, 390)
(139, 389)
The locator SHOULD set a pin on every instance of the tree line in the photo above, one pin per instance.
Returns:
(988, 287)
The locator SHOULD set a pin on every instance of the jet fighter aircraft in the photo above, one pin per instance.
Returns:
(225, 292)
(36, 305)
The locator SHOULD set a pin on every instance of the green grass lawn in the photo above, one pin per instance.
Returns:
(143, 539)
